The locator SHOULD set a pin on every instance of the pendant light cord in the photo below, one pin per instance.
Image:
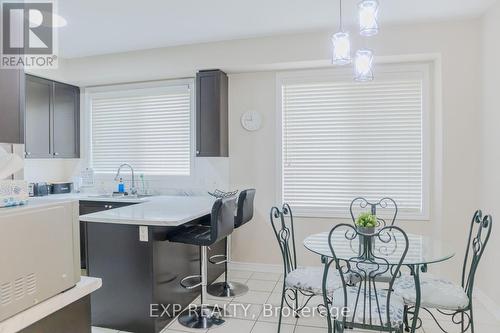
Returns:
(341, 26)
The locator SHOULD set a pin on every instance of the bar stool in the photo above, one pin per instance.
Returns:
(221, 225)
(243, 215)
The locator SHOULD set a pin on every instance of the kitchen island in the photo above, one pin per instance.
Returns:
(141, 271)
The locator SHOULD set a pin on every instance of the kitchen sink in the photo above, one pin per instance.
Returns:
(122, 196)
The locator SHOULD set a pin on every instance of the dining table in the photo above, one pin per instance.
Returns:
(423, 250)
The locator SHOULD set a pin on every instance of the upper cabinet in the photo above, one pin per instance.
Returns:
(212, 114)
(66, 121)
(38, 109)
(11, 106)
(52, 119)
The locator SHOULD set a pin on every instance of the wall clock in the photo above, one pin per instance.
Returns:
(251, 121)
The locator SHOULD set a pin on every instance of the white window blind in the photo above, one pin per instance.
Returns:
(342, 139)
(148, 128)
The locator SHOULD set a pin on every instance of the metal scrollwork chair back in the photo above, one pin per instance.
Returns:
(282, 223)
(370, 305)
(479, 235)
(387, 205)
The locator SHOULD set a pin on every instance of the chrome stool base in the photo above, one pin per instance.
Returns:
(201, 317)
(229, 289)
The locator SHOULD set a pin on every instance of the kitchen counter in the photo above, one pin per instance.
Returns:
(160, 211)
(22, 320)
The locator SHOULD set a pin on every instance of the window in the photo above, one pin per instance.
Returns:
(342, 139)
(150, 128)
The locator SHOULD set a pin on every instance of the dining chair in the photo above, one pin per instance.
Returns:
(297, 281)
(448, 298)
(367, 304)
(386, 214)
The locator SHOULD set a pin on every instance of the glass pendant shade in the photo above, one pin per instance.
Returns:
(363, 65)
(368, 17)
(341, 48)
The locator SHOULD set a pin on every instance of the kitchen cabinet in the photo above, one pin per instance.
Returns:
(89, 207)
(212, 114)
(38, 101)
(52, 119)
(66, 121)
(11, 106)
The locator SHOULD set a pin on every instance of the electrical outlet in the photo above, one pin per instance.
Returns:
(143, 233)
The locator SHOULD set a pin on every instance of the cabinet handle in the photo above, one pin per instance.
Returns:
(56, 154)
(28, 153)
(197, 152)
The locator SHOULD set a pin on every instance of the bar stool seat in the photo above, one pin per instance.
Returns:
(221, 225)
(194, 235)
(244, 214)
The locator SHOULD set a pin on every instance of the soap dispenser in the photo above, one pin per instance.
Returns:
(121, 186)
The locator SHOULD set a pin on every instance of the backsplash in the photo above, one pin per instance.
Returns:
(208, 174)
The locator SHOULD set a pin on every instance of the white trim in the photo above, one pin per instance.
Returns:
(86, 128)
(490, 305)
(424, 67)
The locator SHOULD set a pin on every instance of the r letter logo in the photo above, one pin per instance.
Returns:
(27, 35)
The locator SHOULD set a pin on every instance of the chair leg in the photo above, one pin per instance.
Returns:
(471, 319)
(281, 307)
(296, 312)
(405, 319)
(227, 288)
(201, 317)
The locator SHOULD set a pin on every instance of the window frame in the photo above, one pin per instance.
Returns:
(108, 90)
(345, 74)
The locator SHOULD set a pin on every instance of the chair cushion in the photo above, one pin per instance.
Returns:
(396, 307)
(311, 279)
(436, 292)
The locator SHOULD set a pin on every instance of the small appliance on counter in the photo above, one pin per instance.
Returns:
(39, 189)
(61, 188)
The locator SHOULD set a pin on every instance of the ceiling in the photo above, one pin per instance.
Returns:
(100, 27)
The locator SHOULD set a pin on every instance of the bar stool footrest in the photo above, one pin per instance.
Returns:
(215, 259)
(185, 285)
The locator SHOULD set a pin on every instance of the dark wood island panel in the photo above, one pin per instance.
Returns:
(138, 276)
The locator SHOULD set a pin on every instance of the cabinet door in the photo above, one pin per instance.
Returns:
(11, 106)
(38, 104)
(65, 121)
(211, 114)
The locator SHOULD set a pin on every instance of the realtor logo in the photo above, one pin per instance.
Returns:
(27, 35)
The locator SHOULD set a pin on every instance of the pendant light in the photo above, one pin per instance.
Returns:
(363, 64)
(341, 45)
(368, 17)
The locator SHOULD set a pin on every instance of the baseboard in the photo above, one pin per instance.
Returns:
(255, 267)
(488, 303)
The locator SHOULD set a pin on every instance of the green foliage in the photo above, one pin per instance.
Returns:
(366, 220)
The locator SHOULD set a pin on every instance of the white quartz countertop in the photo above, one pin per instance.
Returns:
(30, 316)
(156, 211)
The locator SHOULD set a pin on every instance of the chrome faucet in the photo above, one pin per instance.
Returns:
(133, 190)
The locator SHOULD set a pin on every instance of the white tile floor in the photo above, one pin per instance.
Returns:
(265, 289)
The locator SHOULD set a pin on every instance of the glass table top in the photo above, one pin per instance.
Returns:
(421, 250)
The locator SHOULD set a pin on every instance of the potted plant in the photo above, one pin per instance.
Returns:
(366, 223)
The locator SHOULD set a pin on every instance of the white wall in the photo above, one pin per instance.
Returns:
(455, 166)
(453, 46)
(490, 160)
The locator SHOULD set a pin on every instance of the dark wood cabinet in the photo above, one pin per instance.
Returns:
(11, 106)
(52, 119)
(38, 101)
(212, 114)
(66, 121)
(89, 207)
